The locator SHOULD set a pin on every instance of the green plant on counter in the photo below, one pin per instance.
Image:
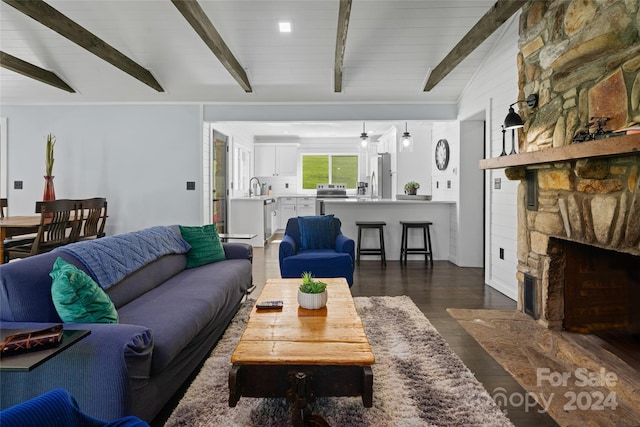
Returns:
(310, 286)
(411, 187)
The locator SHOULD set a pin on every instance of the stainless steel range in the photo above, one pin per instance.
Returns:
(329, 191)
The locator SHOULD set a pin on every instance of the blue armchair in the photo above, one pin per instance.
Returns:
(57, 408)
(316, 244)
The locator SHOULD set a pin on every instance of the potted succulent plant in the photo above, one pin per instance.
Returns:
(312, 294)
(411, 188)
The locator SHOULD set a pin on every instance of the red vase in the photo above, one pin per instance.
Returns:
(49, 190)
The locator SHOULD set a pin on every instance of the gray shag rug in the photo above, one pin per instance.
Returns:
(417, 380)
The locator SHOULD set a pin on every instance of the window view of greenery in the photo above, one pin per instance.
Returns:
(320, 169)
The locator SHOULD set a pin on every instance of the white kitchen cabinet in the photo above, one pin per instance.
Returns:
(265, 160)
(276, 160)
(306, 206)
(291, 207)
(275, 218)
(287, 160)
(287, 209)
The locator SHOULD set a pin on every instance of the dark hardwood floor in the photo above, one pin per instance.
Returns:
(433, 290)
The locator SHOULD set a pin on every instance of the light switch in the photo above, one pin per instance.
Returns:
(191, 185)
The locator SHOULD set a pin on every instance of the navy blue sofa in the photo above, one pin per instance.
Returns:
(336, 261)
(169, 320)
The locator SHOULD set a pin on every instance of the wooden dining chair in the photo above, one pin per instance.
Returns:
(94, 214)
(13, 240)
(59, 221)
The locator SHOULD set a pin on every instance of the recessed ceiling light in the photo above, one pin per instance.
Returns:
(285, 27)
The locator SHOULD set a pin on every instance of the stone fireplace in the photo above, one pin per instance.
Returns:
(586, 229)
(579, 240)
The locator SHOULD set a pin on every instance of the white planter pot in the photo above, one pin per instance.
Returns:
(312, 301)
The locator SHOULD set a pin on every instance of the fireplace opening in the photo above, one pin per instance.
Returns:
(602, 296)
(601, 289)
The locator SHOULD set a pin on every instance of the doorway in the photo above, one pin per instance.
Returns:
(220, 148)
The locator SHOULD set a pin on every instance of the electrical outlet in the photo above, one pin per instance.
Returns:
(17, 185)
(191, 185)
(497, 183)
(501, 253)
(448, 184)
(286, 185)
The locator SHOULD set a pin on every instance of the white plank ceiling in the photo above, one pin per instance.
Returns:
(391, 46)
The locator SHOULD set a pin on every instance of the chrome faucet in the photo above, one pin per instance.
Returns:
(250, 181)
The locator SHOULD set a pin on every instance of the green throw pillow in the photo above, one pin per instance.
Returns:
(205, 245)
(77, 298)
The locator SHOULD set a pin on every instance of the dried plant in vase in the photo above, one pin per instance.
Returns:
(49, 190)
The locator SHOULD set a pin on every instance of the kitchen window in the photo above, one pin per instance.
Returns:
(329, 168)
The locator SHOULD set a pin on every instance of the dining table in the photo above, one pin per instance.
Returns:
(12, 226)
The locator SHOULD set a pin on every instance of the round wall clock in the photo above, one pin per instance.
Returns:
(442, 154)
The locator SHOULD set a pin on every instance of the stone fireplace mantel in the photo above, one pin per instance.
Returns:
(626, 144)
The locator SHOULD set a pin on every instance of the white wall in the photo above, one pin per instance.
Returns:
(462, 183)
(416, 165)
(494, 87)
(3, 158)
(470, 247)
(137, 156)
(445, 184)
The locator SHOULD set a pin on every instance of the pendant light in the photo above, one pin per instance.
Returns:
(364, 138)
(406, 143)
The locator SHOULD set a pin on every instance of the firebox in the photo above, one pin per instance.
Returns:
(601, 288)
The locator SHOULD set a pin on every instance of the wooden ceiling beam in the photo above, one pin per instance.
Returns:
(487, 25)
(341, 41)
(53, 19)
(33, 71)
(198, 19)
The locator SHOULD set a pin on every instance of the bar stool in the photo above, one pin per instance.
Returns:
(379, 225)
(426, 235)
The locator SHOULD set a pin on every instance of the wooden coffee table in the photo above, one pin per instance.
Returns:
(302, 354)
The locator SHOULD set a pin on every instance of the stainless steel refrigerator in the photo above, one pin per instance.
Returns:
(380, 178)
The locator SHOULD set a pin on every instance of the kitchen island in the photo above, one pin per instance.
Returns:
(252, 215)
(392, 212)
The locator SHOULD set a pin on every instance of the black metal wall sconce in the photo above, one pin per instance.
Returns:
(513, 121)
